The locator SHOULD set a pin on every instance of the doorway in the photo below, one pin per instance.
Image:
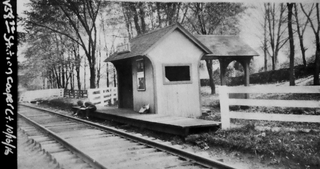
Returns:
(125, 92)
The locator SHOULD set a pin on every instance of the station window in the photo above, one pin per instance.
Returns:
(174, 74)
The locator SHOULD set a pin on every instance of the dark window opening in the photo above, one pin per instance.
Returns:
(177, 73)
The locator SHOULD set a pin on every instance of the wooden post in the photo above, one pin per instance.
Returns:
(222, 72)
(61, 92)
(101, 97)
(224, 107)
(112, 95)
(247, 75)
(247, 72)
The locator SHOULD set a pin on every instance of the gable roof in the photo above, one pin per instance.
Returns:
(226, 45)
(142, 44)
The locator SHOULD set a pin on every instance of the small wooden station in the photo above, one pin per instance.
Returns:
(161, 69)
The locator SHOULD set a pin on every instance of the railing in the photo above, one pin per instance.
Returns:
(75, 93)
(102, 96)
(36, 94)
(225, 102)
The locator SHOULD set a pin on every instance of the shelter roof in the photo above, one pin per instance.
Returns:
(140, 45)
(226, 45)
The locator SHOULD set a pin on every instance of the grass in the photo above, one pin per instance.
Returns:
(301, 147)
(298, 143)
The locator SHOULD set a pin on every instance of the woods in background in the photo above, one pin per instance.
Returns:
(64, 38)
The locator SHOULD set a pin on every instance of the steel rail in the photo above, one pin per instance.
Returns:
(163, 147)
(78, 152)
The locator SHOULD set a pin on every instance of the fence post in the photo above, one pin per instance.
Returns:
(62, 92)
(90, 95)
(224, 107)
(101, 90)
(112, 95)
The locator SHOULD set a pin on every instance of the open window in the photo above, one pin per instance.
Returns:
(176, 74)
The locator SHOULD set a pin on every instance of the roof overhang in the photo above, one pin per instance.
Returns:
(213, 56)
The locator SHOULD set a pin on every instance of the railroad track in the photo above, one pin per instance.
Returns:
(76, 143)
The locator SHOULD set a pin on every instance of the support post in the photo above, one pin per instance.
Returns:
(222, 72)
(247, 75)
(111, 95)
(224, 107)
(247, 72)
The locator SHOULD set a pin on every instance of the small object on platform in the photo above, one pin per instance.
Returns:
(144, 109)
(206, 112)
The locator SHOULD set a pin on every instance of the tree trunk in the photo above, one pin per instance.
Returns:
(291, 41)
(57, 75)
(92, 77)
(265, 42)
(317, 63)
(99, 65)
(107, 65)
(135, 18)
(273, 63)
(78, 77)
(142, 18)
(114, 77)
(158, 7)
(77, 65)
(300, 35)
(66, 75)
(127, 21)
(84, 75)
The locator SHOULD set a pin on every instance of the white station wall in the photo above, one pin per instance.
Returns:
(177, 99)
(144, 97)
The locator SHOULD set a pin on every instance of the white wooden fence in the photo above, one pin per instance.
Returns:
(225, 102)
(28, 96)
(102, 96)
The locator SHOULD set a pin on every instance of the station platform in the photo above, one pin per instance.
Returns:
(162, 123)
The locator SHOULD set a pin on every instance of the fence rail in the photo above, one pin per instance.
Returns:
(36, 94)
(225, 102)
(75, 93)
(102, 96)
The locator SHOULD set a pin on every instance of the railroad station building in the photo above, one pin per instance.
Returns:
(161, 68)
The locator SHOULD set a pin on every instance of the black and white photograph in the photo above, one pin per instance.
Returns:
(161, 84)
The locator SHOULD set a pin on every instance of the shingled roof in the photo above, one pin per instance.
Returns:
(226, 45)
(213, 45)
(140, 45)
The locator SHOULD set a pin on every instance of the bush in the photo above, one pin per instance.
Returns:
(275, 76)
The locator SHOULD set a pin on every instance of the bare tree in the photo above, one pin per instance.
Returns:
(78, 17)
(315, 25)
(276, 29)
(265, 39)
(301, 28)
(291, 41)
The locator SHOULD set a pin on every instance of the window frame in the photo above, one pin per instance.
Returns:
(176, 82)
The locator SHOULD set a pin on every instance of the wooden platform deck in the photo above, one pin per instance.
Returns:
(167, 124)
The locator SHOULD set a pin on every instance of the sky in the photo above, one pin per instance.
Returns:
(249, 27)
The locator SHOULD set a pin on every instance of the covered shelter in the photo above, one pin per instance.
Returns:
(228, 48)
(161, 69)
